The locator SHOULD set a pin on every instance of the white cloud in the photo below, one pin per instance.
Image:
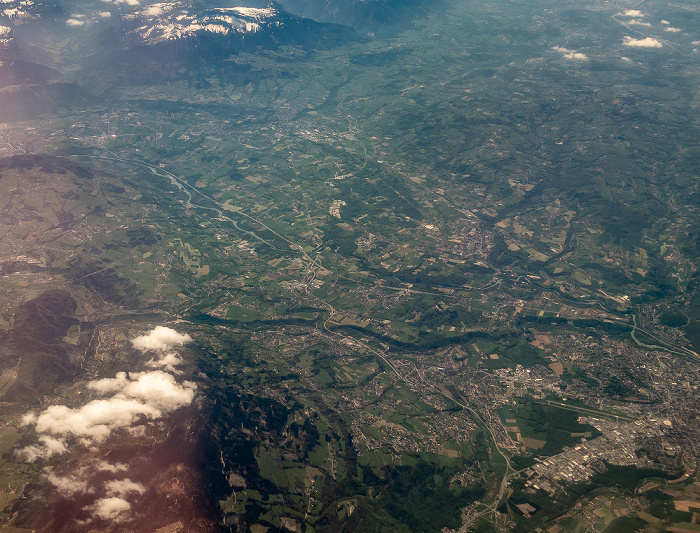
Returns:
(131, 399)
(626, 59)
(695, 43)
(636, 22)
(29, 418)
(153, 11)
(114, 506)
(649, 42)
(75, 22)
(570, 54)
(67, 486)
(665, 22)
(123, 487)
(169, 361)
(672, 29)
(157, 389)
(107, 385)
(633, 13)
(160, 339)
(150, 395)
(105, 14)
(128, 401)
(47, 448)
(94, 421)
(104, 466)
(113, 509)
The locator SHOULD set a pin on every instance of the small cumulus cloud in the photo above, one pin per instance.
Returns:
(67, 486)
(666, 22)
(157, 390)
(112, 500)
(112, 503)
(48, 447)
(75, 22)
(105, 14)
(94, 421)
(153, 11)
(129, 401)
(672, 29)
(112, 509)
(695, 43)
(29, 418)
(123, 487)
(104, 466)
(648, 42)
(150, 395)
(160, 339)
(636, 22)
(168, 362)
(632, 13)
(570, 54)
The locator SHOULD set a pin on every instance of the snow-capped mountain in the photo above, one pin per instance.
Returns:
(6, 36)
(26, 10)
(224, 28)
(172, 40)
(171, 21)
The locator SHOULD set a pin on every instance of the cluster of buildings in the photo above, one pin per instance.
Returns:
(617, 445)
